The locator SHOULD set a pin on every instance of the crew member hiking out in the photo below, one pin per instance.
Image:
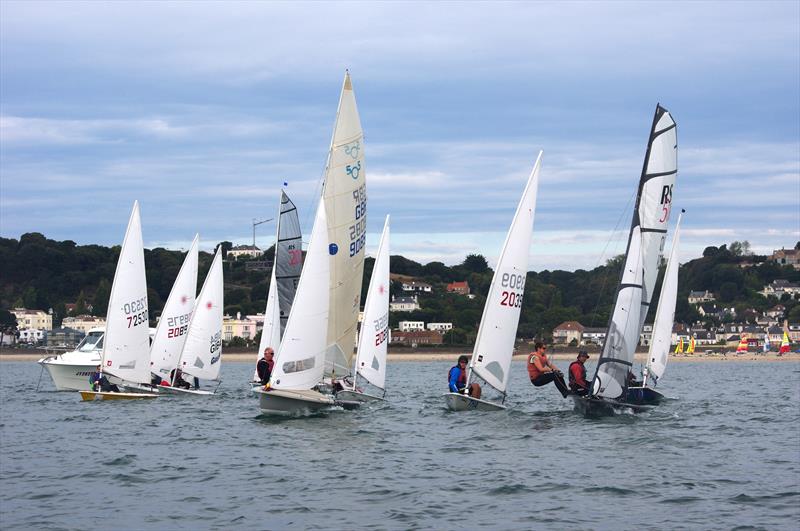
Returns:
(457, 379)
(542, 371)
(577, 375)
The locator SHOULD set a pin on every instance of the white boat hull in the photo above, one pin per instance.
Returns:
(287, 402)
(181, 391)
(461, 402)
(350, 395)
(70, 376)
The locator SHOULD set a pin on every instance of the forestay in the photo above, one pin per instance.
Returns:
(299, 363)
(494, 346)
(654, 202)
(345, 199)
(126, 345)
(202, 352)
(173, 325)
(374, 338)
(665, 315)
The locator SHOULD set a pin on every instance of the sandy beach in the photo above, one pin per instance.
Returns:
(250, 357)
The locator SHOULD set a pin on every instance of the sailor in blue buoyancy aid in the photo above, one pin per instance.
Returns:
(457, 379)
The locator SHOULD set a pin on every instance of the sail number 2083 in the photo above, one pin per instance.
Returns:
(515, 283)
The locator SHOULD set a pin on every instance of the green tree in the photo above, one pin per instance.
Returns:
(475, 263)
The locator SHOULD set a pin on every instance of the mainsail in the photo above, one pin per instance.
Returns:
(785, 345)
(345, 203)
(654, 202)
(494, 346)
(665, 315)
(374, 338)
(300, 360)
(202, 352)
(174, 322)
(286, 268)
(126, 346)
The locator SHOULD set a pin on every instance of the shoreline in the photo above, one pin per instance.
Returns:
(250, 357)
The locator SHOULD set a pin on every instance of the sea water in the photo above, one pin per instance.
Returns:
(723, 454)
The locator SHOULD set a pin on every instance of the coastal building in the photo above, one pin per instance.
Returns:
(407, 326)
(787, 257)
(567, 332)
(780, 286)
(251, 251)
(699, 297)
(414, 338)
(31, 335)
(64, 337)
(776, 312)
(258, 319)
(440, 327)
(593, 336)
(38, 319)
(84, 323)
(460, 288)
(415, 285)
(404, 304)
(237, 327)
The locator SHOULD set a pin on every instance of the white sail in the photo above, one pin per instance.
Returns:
(494, 346)
(345, 199)
(655, 199)
(126, 345)
(623, 329)
(286, 268)
(300, 360)
(173, 325)
(374, 338)
(202, 352)
(661, 342)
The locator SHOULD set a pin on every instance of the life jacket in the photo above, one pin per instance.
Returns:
(462, 378)
(533, 372)
(573, 382)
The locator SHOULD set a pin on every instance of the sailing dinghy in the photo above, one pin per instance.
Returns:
(286, 268)
(661, 342)
(639, 272)
(374, 339)
(319, 340)
(201, 356)
(126, 346)
(494, 346)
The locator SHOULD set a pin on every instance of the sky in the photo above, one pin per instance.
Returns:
(202, 110)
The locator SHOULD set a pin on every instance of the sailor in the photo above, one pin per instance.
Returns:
(577, 375)
(542, 371)
(265, 365)
(177, 379)
(100, 383)
(457, 379)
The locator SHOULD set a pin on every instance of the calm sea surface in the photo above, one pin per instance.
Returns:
(725, 454)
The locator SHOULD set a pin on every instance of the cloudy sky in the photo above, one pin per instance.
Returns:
(202, 110)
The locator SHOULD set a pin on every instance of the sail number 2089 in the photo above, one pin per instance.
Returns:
(516, 283)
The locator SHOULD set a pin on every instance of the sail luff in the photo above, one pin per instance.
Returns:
(661, 342)
(126, 345)
(494, 344)
(374, 337)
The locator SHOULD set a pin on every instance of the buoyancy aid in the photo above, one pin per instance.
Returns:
(577, 375)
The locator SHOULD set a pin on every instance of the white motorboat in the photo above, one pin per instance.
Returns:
(70, 371)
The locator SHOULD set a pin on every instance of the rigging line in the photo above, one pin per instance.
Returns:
(600, 258)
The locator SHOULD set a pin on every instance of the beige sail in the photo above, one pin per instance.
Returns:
(345, 199)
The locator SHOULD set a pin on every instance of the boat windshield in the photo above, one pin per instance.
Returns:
(93, 341)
